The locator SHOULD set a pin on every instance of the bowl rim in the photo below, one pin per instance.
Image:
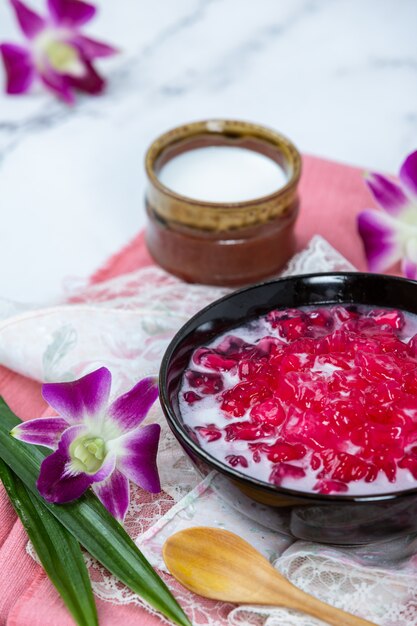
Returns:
(183, 437)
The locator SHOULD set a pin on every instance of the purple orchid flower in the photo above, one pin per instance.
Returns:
(391, 235)
(56, 51)
(96, 445)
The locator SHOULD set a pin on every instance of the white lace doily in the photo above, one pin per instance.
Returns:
(126, 324)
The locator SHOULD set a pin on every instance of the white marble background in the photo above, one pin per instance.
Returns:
(337, 76)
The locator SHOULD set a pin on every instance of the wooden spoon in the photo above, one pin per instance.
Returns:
(220, 565)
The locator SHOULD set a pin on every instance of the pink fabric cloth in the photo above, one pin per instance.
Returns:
(331, 196)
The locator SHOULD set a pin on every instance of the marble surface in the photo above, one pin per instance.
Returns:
(338, 77)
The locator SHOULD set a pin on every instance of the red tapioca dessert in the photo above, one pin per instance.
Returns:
(313, 399)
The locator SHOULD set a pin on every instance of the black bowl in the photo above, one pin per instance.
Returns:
(336, 519)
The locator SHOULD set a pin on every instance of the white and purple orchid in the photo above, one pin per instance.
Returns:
(96, 444)
(56, 52)
(391, 235)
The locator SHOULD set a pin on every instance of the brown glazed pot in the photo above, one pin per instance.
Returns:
(234, 243)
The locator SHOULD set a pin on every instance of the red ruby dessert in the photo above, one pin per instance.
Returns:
(315, 399)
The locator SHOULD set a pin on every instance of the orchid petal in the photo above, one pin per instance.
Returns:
(19, 68)
(59, 481)
(82, 398)
(92, 49)
(71, 12)
(409, 263)
(59, 85)
(56, 483)
(388, 194)
(91, 82)
(408, 173)
(30, 22)
(409, 269)
(114, 494)
(137, 457)
(44, 431)
(131, 409)
(381, 237)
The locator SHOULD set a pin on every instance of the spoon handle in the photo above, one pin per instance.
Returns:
(312, 606)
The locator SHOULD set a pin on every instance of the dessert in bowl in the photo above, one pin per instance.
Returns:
(303, 392)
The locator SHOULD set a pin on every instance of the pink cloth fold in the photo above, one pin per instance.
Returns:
(331, 196)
